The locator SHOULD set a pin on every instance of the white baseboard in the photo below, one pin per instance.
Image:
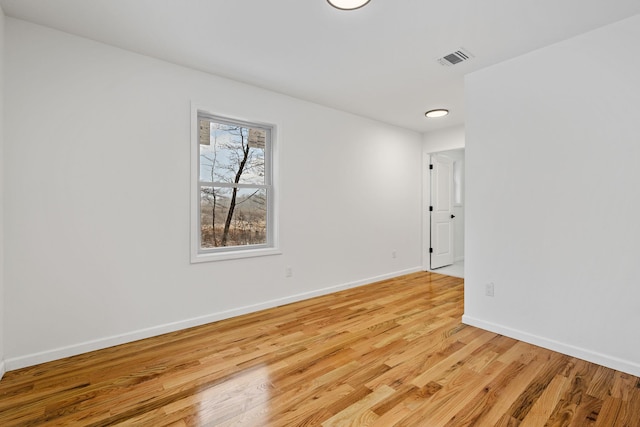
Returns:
(84, 347)
(2, 369)
(570, 350)
(459, 259)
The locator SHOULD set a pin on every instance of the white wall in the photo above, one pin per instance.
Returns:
(2, 366)
(552, 155)
(450, 140)
(97, 198)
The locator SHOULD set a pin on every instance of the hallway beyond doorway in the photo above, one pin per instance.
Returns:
(456, 269)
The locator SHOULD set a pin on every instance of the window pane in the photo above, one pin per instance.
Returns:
(234, 154)
(245, 225)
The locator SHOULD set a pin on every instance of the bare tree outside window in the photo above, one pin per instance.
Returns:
(234, 183)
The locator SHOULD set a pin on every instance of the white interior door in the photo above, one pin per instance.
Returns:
(441, 210)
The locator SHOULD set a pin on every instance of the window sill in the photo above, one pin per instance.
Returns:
(224, 256)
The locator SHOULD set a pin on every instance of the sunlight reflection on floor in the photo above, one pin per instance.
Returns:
(226, 403)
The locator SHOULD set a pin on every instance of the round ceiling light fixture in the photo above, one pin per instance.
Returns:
(440, 112)
(348, 4)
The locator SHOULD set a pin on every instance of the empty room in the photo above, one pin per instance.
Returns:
(319, 213)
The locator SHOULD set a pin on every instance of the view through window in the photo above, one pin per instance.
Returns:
(234, 184)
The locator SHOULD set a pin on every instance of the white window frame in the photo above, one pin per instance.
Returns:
(271, 247)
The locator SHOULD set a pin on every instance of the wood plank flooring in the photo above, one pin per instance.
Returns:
(393, 353)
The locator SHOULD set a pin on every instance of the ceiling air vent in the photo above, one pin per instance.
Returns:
(456, 57)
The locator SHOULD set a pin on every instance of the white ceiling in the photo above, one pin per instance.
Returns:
(379, 61)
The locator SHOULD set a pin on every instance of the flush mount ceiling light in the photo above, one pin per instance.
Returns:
(348, 4)
(440, 112)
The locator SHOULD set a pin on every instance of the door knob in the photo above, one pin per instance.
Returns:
(453, 216)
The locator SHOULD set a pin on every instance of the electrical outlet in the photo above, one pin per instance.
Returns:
(488, 290)
(288, 272)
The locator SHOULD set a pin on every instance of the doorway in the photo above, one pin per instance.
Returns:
(444, 213)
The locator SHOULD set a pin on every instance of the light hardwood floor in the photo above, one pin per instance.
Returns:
(392, 353)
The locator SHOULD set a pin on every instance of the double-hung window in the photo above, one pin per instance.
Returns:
(235, 202)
